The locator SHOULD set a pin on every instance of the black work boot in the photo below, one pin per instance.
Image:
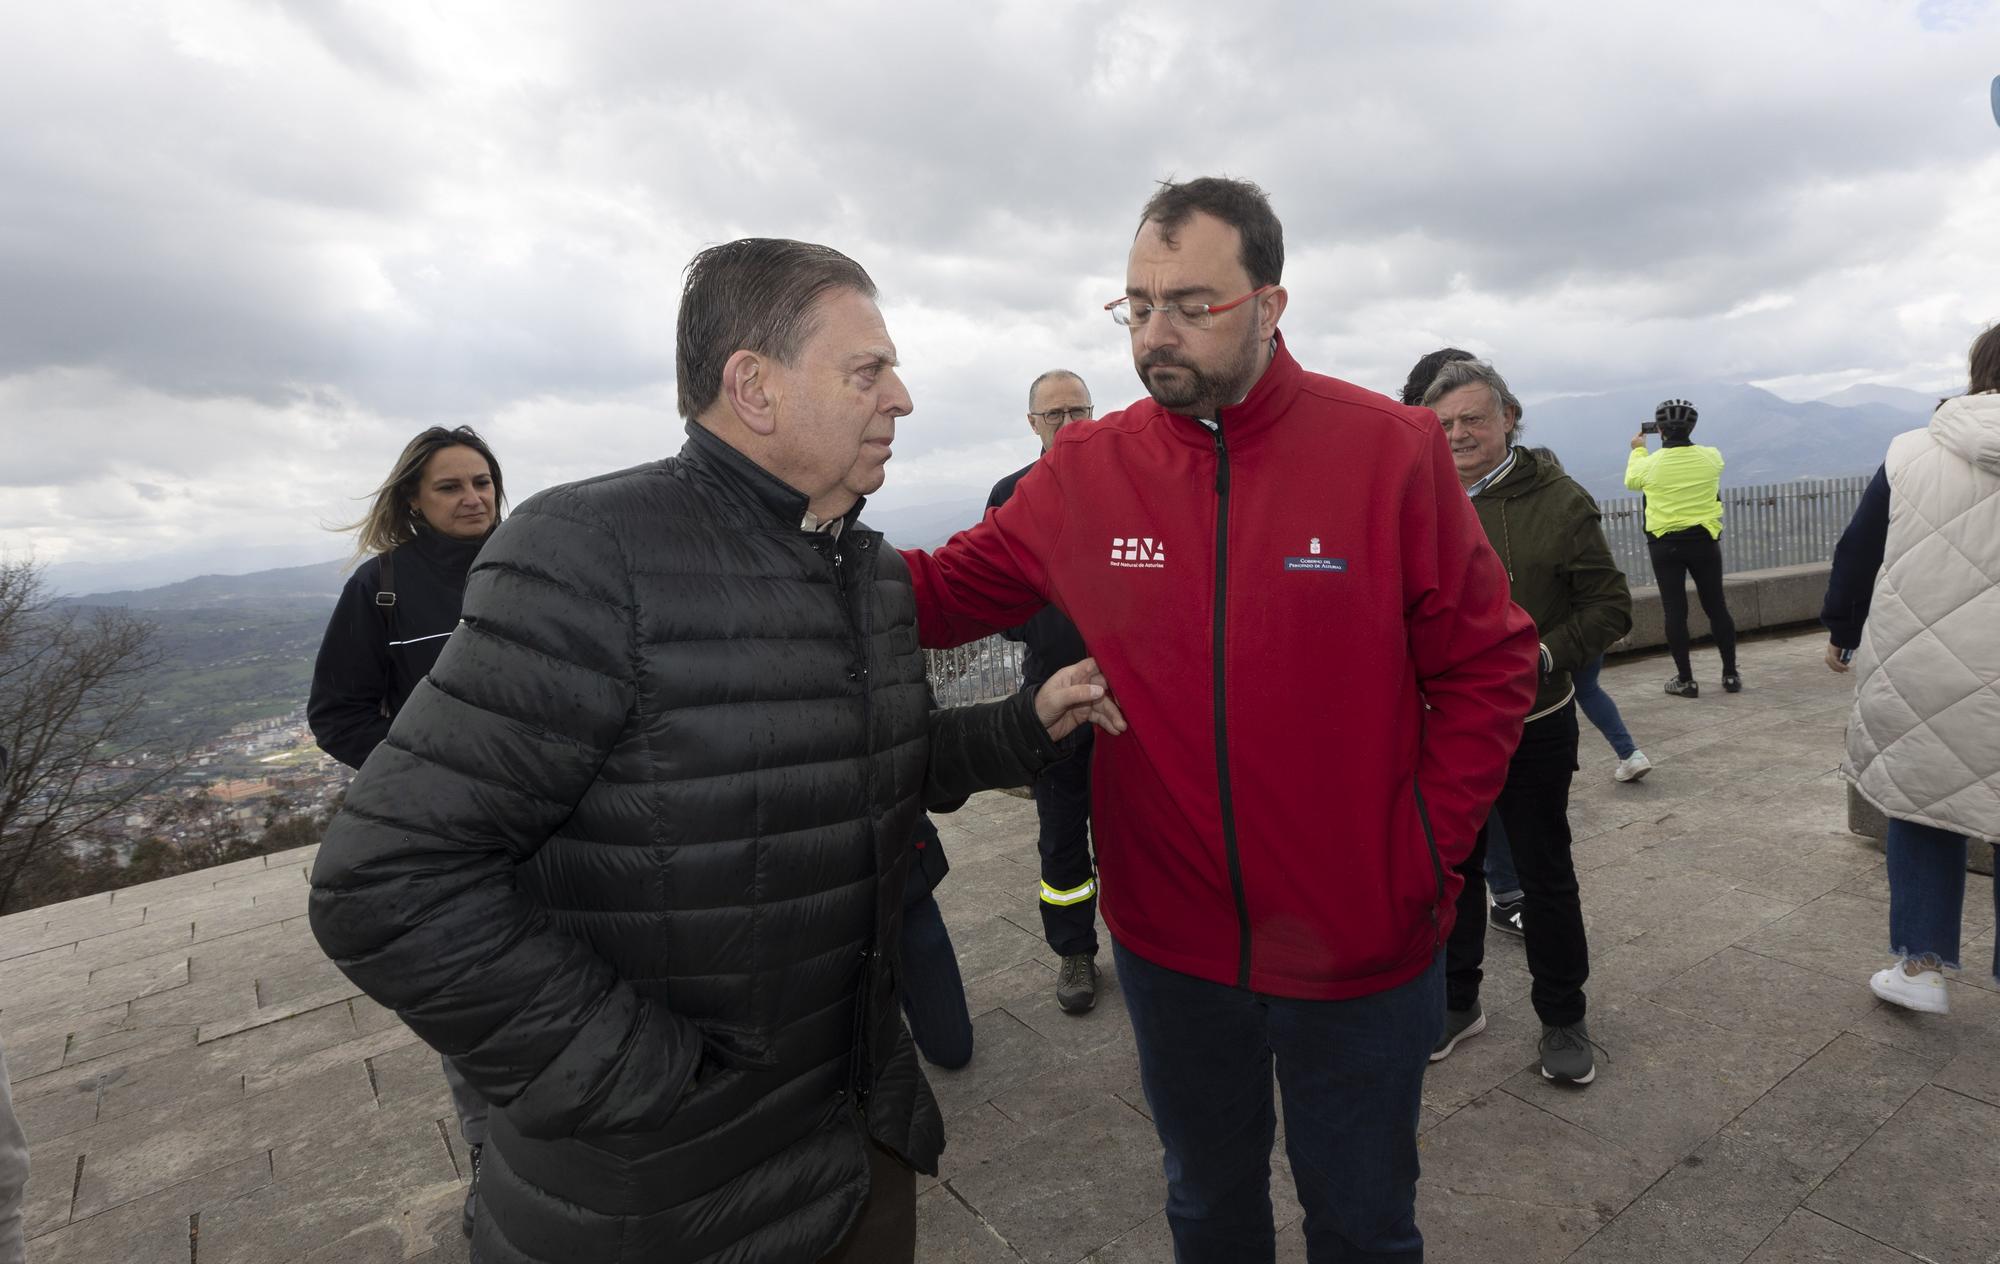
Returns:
(1076, 986)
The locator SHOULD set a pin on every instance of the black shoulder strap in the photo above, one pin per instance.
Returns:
(385, 591)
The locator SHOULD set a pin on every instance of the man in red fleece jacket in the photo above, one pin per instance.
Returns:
(1324, 679)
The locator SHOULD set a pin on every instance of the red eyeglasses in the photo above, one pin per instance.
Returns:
(1186, 315)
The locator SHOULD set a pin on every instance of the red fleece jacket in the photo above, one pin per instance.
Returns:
(1313, 643)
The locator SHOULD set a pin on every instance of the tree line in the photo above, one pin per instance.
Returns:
(72, 697)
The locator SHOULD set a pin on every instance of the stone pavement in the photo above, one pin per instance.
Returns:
(199, 1084)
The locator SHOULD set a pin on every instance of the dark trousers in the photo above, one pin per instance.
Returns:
(1676, 556)
(1351, 1074)
(887, 1230)
(1534, 809)
(933, 992)
(467, 1104)
(1069, 880)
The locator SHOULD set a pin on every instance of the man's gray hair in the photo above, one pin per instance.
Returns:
(1464, 373)
(758, 294)
(1051, 376)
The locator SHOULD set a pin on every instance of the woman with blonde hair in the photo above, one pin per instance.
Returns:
(423, 529)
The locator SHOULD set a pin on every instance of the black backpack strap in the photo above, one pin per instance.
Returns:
(385, 591)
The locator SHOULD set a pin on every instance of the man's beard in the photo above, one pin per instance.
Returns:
(1198, 391)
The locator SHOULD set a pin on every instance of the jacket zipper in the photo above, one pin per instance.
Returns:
(858, 1086)
(1221, 695)
(1437, 862)
(871, 955)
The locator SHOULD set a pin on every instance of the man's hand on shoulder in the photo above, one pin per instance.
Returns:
(1075, 696)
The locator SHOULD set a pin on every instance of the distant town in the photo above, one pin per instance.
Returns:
(251, 771)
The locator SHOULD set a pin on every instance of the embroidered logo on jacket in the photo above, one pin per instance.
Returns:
(1315, 562)
(1139, 552)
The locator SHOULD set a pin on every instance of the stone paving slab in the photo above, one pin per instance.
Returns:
(198, 1083)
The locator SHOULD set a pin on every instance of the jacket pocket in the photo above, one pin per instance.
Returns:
(710, 1100)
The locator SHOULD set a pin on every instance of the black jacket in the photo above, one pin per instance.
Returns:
(1857, 560)
(634, 857)
(1050, 641)
(373, 656)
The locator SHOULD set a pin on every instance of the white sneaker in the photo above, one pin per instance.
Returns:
(1633, 768)
(1923, 991)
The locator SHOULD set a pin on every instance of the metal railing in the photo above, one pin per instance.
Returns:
(1774, 524)
(978, 672)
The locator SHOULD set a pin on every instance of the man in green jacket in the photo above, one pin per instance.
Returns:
(1545, 528)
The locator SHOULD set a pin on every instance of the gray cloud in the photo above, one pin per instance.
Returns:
(249, 247)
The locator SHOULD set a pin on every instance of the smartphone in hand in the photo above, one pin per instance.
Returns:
(1649, 427)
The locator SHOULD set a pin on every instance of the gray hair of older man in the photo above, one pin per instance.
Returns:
(1056, 375)
(1459, 373)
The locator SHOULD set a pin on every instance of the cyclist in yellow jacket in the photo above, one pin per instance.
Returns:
(1681, 483)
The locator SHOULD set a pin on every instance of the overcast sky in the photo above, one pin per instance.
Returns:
(248, 248)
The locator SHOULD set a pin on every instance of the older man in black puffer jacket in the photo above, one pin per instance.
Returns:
(634, 854)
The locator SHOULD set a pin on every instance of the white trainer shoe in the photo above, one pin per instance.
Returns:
(1633, 768)
(1923, 991)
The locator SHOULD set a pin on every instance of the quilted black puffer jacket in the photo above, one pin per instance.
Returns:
(634, 856)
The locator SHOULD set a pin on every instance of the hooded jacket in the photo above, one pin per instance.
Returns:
(1549, 535)
(634, 856)
(1923, 742)
(1312, 642)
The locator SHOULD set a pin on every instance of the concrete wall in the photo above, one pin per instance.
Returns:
(1783, 596)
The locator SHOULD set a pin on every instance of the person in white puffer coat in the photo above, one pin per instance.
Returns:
(1914, 600)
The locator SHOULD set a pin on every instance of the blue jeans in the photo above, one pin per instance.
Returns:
(1351, 1073)
(1603, 712)
(1501, 879)
(1927, 892)
(933, 992)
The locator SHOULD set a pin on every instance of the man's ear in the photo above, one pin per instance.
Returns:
(1268, 312)
(749, 387)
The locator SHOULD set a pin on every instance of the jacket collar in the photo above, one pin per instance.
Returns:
(1268, 401)
(440, 550)
(748, 481)
(1497, 474)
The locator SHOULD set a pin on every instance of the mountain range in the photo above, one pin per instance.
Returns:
(1763, 438)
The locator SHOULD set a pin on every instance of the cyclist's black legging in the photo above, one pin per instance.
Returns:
(1677, 555)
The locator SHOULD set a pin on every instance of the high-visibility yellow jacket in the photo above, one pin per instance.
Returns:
(1681, 486)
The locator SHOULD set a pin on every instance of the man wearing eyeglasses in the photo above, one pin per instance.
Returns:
(1311, 639)
(1062, 791)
